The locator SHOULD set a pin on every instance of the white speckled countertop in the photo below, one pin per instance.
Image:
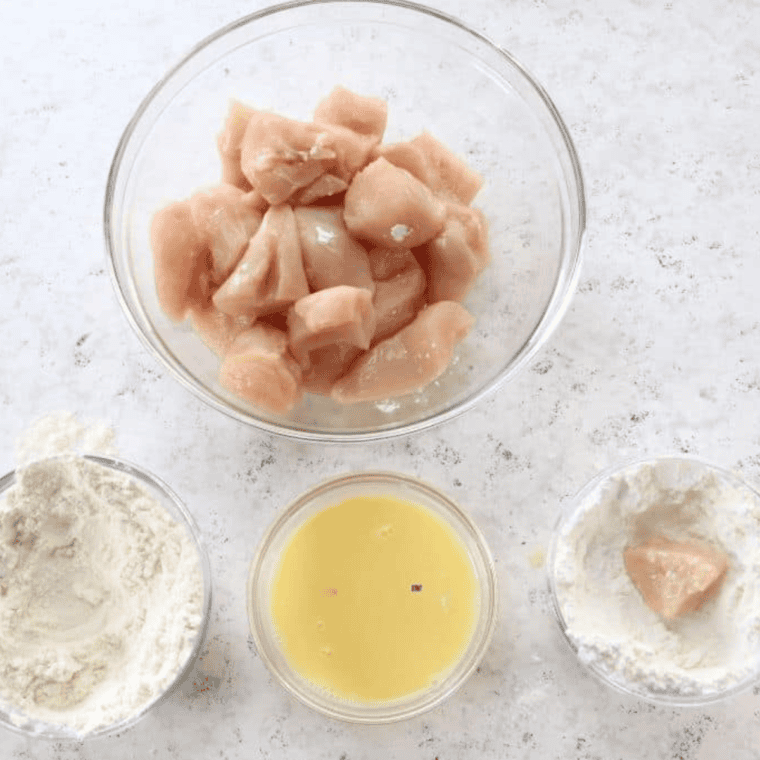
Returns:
(658, 353)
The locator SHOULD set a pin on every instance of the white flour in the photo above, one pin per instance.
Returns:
(101, 589)
(699, 654)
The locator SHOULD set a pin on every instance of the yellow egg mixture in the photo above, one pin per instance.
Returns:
(374, 599)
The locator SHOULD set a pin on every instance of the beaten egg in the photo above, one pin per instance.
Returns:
(374, 598)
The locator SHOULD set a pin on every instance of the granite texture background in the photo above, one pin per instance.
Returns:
(658, 353)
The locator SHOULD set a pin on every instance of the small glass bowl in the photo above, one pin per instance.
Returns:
(156, 488)
(678, 480)
(436, 74)
(266, 561)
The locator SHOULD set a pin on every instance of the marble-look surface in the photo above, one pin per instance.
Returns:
(658, 353)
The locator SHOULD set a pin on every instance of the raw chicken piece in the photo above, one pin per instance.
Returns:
(412, 358)
(398, 300)
(457, 255)
(217, 329)
(399, 289)
(675, 577)
(448, 175)
(179, 259)
(326, 365)
(475, 226)
(386, 262)
(279, 156)
(406, 156)
(229, 142)
(225, 219)
(322, 187)
(388, 206)
(341, 314)
(270, 275)
(259, 368)
(355, 125)
(330, 255)
(352, 150)
(361, 114)
(433, 164)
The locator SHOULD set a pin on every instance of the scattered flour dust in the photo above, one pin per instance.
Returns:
(614, 631)
(101, 589)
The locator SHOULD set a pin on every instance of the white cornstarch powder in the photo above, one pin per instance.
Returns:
(101, 588)
(698, 654)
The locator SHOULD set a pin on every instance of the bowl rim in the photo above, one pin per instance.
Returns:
(486, 619)
(60, 733)
(556, 307)
(572, 507)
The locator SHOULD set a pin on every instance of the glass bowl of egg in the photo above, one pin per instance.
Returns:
(653, 578)
(372, 597)
(345, 219)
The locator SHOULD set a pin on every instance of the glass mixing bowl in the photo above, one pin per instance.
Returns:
(694, 660)
(264, 568)
(12, 718)
(436, 74)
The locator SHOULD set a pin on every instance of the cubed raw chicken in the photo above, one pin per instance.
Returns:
(413, 357)
(225, 219)
(326, 365)
(217, 329)
(399, 289)
(432, 163)
(398, 300)
(180, 259)
(229, 141)
(352, 150)
(355, 125)
(340, 314)
(270, 275)
(361, 114)
(675, 577)
(405, 156)
(259, 368)
(279, 155)
(386, 262)
(330, 255)
(448, 175)
(457, 255)
(323, 187)
(391, 208)
(242, 262)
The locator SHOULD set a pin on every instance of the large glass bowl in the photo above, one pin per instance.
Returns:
(435, 74)
(12, 718)
(266, 562)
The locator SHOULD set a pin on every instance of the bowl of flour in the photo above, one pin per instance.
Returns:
(104, 595)
(698, 657)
